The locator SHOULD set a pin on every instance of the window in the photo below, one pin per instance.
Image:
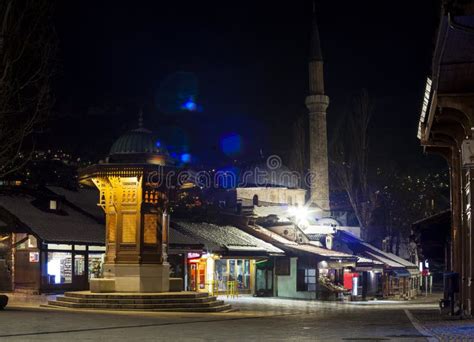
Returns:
(32, 242)
(306, 275)
(79, 265)
(59, 268)
(255, 200)
(282, 266)
(53, 205)
(306, 279)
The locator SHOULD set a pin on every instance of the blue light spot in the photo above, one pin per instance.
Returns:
(186, 158)
(189, 105)
(231, 144)
(158, 143)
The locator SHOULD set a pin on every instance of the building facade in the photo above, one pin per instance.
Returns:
(446, 128)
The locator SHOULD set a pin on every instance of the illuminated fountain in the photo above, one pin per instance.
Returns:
(134, 194)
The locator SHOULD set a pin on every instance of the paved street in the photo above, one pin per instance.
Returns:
(257, 319)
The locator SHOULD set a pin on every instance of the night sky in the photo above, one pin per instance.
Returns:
(244, 64)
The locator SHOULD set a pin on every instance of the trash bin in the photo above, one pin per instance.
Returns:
(451, 287)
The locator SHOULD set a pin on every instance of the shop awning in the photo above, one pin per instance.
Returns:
(401, 273)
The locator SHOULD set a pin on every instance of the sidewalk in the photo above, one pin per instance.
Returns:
(445, 328)
(431, 299)
(27, 300)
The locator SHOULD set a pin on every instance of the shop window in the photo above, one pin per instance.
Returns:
(96, 262)
(59, 268)
(97, 248)
(79, 265)
(237, 270)
(59, 247)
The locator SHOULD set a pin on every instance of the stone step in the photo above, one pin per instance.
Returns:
(167, 295)
(136, 306)
(219, 308)
(135, 301)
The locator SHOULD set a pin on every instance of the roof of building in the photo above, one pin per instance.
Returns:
(223, 238)
(320, 251)
(287, 245)
(139, 145)
(69, 226)
(444, 215)
(139, 140)
(84, 198)
(386, 261)
(361, 246)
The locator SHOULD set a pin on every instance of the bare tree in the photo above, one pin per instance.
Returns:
(350, 156)
(27, 49)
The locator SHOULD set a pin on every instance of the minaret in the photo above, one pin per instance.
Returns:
(317, 103)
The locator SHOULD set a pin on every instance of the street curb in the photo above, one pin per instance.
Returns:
(421, 329)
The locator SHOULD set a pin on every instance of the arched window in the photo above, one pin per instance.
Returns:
(255, 200)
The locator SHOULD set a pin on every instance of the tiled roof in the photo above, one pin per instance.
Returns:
(321, 251)
(71, 227)
(222, 238)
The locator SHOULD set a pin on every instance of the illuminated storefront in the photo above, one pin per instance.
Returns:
(228, 258)
(54, 246)
(212, 273)
(49, 267)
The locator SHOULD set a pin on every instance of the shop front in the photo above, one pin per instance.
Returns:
(219, 275)
(42, 267)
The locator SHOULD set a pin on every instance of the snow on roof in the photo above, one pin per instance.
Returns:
(395, 259)
(51, 227)
(216, 237)
(85, 198)
(309, 248)
(272, 236)
(368, 261)
(318, 230)
(279, 210)
(384, 260)
(321, 251)
(391, 256)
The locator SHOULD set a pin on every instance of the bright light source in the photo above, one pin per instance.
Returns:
(300, 215)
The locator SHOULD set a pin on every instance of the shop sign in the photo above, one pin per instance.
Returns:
(34, 256)
(193, 255)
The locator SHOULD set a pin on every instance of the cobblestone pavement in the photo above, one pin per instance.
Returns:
(445, 328)
(258, 319)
